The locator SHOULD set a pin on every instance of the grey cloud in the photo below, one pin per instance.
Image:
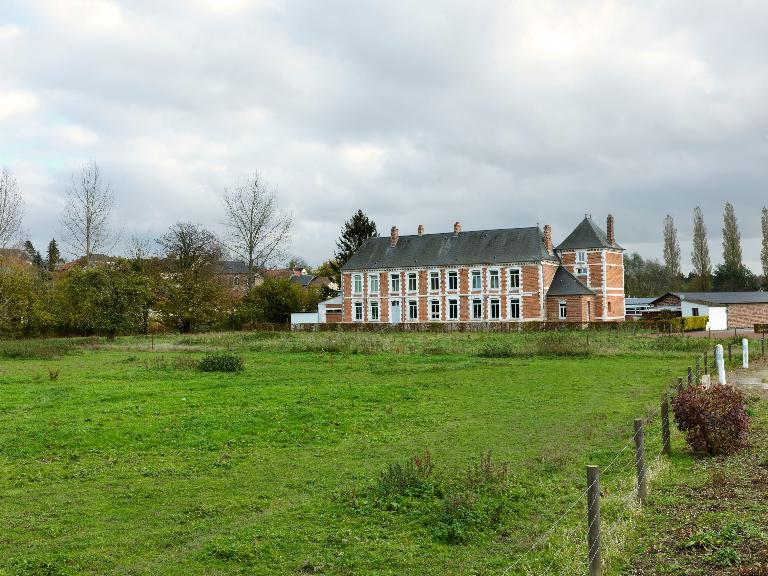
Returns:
(496, 114)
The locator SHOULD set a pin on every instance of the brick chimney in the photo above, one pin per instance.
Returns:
(456, 228)
(420, 230)
(548, 239)
(394, 236)
(610, 231)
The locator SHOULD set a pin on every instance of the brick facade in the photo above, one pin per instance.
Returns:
(747, 315)
(602, 272)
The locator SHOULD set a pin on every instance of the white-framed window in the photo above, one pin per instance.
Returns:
(494, 281)
(514, 308)
(581, 262)
(434, 310)
(563, 310)
(394, 283)
(495, 309)
(412, 281)
(357, 283)
(373, 284)
(453, 280)
(374, 311)
(453, 309)
(477, 309)
(514, 279)
(413, 309)
(357, 308)
(434, 280)
(477, 279)
(694, 311)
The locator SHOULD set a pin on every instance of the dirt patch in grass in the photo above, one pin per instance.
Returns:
(713, 520)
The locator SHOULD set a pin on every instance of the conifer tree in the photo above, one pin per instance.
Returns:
(356, 230)
(54, 256)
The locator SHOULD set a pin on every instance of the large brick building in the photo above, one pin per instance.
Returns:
(508, 275)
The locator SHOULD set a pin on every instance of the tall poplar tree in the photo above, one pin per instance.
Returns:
(732, 275)
(671, 253)
(731, 240)
(764, 252)
(702, 265)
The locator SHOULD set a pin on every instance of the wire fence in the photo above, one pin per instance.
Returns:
(611, 482)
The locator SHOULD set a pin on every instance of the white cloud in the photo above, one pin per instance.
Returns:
(14, 103)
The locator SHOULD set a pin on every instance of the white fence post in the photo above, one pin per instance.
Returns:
(720, 364)
(745, 352)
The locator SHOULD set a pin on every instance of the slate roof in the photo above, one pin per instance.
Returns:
(722, 298)
(303, 280)
(566, 284)
(586, 235)
(231, 267)
(445, 249)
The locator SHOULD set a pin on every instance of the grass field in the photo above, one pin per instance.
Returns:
(122, 458)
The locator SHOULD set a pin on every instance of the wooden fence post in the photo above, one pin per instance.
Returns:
(698, 371)
(642, 483)
(690, 376)
(706, 363)
(679, 383)
(593, 520)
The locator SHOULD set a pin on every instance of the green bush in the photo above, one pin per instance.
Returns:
(561, 344)
(220, 362)
(406, 479)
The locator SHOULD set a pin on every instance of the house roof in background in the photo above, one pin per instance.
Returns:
(231, 267)
(587, 235)
(566, 284)
(721, 298)
(639, 301)
(444, 249)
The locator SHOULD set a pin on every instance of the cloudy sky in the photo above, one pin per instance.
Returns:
(494, 113)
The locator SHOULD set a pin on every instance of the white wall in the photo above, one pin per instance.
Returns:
(718, 318)
(304, 318)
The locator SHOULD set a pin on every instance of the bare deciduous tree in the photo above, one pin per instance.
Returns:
(86, 214)
(190, 246)
(257, 229)
(11, 208)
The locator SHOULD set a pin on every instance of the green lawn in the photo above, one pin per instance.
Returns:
(133, 462)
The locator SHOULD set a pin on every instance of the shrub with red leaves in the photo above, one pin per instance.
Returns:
(714, 420)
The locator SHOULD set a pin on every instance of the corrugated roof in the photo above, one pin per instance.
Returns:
(638, 301)
(566, 284)
(722, 298)
(587, 235)
(446, 249)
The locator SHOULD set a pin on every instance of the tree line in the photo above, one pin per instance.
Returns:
(174, 281)
(648, 277)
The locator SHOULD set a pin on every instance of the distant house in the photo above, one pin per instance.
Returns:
(726, 310)
(234, 275)
(301, 277)
(503, 275)
(635, 307)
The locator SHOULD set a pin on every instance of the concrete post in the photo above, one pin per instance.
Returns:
(720, 361)
(593, 521)
(745, 352)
